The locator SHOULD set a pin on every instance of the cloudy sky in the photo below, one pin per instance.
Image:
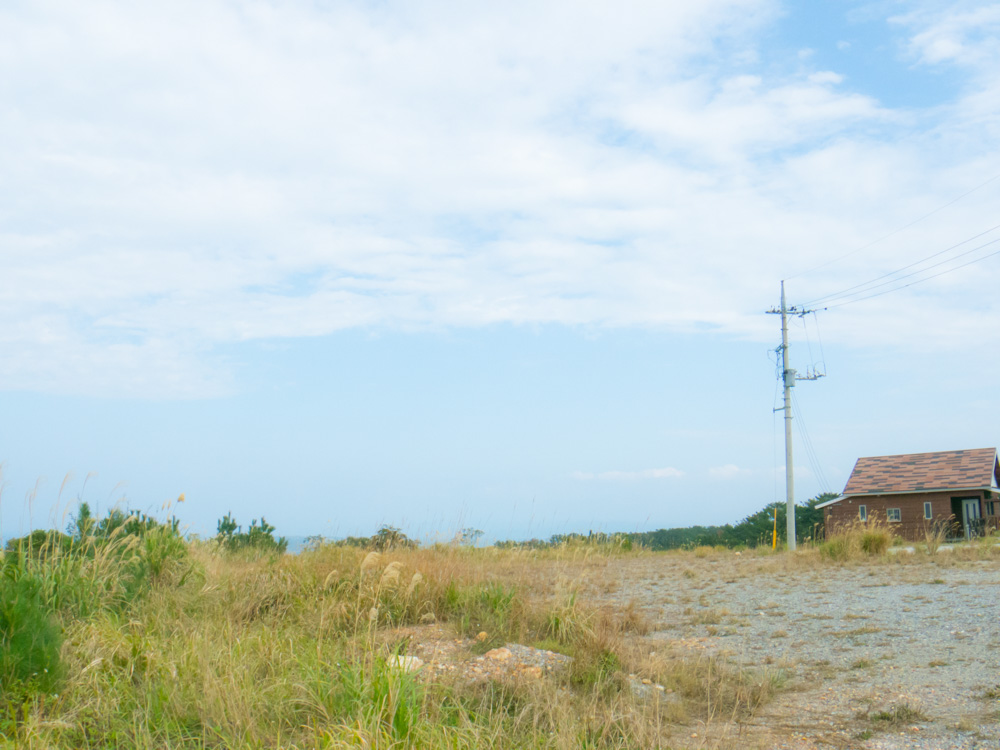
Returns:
(501, 265)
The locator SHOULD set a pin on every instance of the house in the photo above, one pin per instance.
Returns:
(916, 492)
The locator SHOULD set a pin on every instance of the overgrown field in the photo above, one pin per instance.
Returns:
(124, 635)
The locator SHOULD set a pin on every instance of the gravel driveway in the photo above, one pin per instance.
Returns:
(884, 655)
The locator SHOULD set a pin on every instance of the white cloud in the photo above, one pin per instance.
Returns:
(958, 33)
(190, 175)
(630, 476)
(825, 77)
(729, 471)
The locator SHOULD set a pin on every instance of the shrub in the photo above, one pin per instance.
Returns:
(38, 545)
(836, 548)
(875, 541)
(105, 565)
(159, 552)
(388, 538)
(29, 637)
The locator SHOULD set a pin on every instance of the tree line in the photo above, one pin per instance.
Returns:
(753, 531)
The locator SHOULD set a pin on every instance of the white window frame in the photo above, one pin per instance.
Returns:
(863, 513)
(928, 511)
(890, 512)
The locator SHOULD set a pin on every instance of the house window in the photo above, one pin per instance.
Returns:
(928, 515)
(893, 515)
(863, 512)
(991, 508)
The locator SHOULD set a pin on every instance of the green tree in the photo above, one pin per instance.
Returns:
(259, 536)
(389, 537)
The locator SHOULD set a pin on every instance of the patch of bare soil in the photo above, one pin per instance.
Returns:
(877, 655)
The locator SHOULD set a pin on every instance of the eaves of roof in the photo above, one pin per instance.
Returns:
(831, 502)
(907, 492)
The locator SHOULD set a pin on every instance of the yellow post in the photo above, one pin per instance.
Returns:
(774, 534)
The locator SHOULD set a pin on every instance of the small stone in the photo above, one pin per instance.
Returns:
(646, 681)
(406, 663)
(498, 654)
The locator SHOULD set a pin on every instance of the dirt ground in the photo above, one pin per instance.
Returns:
(897, 652)
(891, 654)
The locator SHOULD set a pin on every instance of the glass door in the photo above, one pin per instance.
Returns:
(970, 516)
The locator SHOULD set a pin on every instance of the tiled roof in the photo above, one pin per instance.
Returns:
(917, 472)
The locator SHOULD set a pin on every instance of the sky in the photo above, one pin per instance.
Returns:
(491, 265)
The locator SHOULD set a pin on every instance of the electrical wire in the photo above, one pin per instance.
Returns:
(895, 231)
(920, 281)
(805, 334)
(774, 442)
(811, 454)
(819, 337)
(870, 284)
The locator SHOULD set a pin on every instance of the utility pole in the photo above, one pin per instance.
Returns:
(789, 376)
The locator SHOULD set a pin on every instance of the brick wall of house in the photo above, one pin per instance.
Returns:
(911, 507)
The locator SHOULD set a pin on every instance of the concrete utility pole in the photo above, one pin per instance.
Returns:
(789, 376)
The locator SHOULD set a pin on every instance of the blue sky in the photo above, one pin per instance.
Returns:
(345, 264)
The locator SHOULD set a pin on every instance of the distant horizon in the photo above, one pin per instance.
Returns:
(296, 542)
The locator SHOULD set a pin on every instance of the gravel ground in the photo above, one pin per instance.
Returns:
(876, 656)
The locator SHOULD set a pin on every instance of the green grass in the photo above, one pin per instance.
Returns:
(151, 642)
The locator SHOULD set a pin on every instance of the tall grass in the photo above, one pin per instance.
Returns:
(49, 581)
(859, 539)
(223, 650)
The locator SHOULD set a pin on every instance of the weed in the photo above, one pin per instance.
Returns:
(706, 617)
(896, 715)
(863, 630)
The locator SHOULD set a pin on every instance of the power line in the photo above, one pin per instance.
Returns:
(809, 348)
(926, 278)
(819, 337)
(807, 442)
(895, 231)
(860, 287)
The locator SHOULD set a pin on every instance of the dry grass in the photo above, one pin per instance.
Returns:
(856, 540)
(291, 651)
